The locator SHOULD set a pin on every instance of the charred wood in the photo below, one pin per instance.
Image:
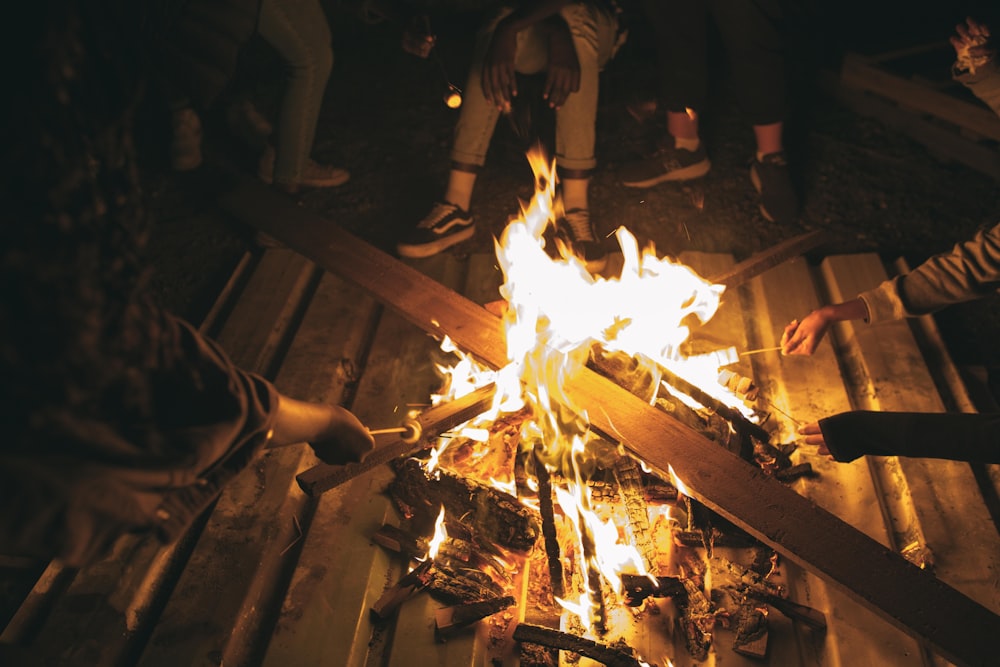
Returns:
(449, 620)
(491, 514)
(552, 550)
(697, 620)
(638, 587)
(794, 472)
(814, 618)
(456, 585)
(630, 488)
(613, 656)
(412, 582)
(400, 541)
(751, 631)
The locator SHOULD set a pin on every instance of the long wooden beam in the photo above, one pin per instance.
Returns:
(960, 629)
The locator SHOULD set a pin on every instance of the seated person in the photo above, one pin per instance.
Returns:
(571, 42)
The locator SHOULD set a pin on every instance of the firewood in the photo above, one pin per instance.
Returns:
(638, 587)
(795, 471)
(449, 620)
(403, 590)
(630, 487)
(697, 620)
(456, 585)
(551, 541)
(491, 515)
(612, 656)
(400, 541)
(751, 631)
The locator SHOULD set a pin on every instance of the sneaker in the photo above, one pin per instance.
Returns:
(666, 164)
(185, 143)
(443, 227)
(778, 201)
(577, 231)
(314, 175)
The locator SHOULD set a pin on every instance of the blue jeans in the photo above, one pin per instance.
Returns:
(594, 36)
(300, 32)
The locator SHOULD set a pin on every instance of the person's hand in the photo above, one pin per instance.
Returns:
(814, 436)
(499, 78)
(805, 336)
(564, 67)
(344, 440)
(971, 44)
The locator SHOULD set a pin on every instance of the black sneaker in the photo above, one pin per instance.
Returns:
(443, 227)
(577, 232)
(778, 201)
(666, 164)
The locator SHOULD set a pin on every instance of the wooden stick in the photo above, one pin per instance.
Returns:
(759, 350)
(762, 261)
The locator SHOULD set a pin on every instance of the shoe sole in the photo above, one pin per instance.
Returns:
(755, 179)
(429, 249)
(686, 174)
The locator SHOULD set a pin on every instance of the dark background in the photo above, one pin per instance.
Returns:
(383, 119)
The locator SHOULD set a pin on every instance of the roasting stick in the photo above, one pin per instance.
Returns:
(429, 424)
(759, 350)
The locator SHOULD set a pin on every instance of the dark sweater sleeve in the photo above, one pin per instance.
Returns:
(959, 437)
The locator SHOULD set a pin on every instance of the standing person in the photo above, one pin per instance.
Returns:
(118, 417)
(299, 31)
(751, 34)
(571, 42)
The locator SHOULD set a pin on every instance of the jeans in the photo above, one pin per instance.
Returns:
(594, 36)
(300, 32)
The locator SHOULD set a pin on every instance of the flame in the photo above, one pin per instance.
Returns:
(556, 313)
(440, 535)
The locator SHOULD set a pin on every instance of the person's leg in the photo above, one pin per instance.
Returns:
(449, 221)
(681, 32)
(751, 30)
(300, 32)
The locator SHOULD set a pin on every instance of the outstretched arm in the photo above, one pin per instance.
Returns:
(805, 336)
(336, 435)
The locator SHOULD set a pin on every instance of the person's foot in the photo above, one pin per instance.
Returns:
(445, 226)
(314, 175)
(577, 231)
(248, 125)
(666, 164)
(185, 144)
(778, 201)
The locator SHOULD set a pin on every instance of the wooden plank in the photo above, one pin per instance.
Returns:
(325, 615)
(941, 141)
(902, 593)
(801, 390)
(246, 540)
(946, 497)
(735, 275)
(858, 74)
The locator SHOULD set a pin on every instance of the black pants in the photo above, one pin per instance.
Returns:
(960, 437)
(751, 35)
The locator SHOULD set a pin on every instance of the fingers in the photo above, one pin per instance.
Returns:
(346, 440)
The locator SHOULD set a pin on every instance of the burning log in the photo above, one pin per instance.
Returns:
(697, 620)
(551, 541)
(613, 656)
(492, 515)
(794, 472)
(414, 581)
(398, 540)
(457, 585)
(638, 587)
(449, 620)
(594, 581)
(630, 487)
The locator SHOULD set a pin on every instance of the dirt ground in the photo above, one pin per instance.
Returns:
(384, 119)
